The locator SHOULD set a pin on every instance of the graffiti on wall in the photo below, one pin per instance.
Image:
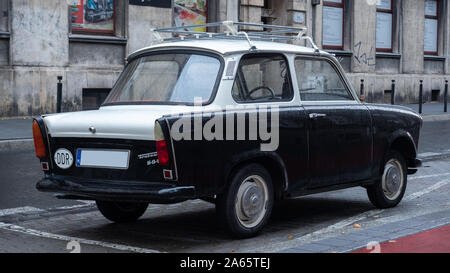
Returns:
(93, 16)
(363, 57)
(190, 12)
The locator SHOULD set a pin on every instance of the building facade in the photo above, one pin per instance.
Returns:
(86, 42)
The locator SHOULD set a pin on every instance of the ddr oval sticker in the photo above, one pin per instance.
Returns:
(63, 158)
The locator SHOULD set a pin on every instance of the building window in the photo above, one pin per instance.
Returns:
(333, 24)
(385, 26)
(4, 16)
(93, 17)
(190, 12)
(431, 27)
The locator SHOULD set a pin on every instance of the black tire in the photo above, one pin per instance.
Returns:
(377, 195)
(121, 212)
(227, 201)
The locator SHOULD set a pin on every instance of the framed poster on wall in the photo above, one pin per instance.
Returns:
(190, 12)
(93, 16)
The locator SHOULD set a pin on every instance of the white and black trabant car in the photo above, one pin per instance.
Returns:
(230, 118)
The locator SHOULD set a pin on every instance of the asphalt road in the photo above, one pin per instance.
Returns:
(434, 137)
(192, 227)
(19, 172)
(47, 224)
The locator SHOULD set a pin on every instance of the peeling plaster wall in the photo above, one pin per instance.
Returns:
(141, 20)
(41, 51)
(36, 46)
(40, 30)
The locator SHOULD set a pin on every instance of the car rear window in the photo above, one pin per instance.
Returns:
(167, 78)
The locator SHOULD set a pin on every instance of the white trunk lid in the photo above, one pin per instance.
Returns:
(120, 122)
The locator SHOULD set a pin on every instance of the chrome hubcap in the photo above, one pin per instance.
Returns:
(251, 201)
(392, 179)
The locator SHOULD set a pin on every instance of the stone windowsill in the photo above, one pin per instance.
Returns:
(4, 35)
(340, 52)
(388, 55)
(97, 39)
(434, 58)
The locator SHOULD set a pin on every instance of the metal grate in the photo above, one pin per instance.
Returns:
(232, 31)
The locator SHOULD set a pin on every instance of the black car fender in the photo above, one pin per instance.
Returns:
(272, 161)
(403, 141)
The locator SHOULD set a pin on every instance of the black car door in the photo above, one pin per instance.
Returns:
(340, 137)
(266, 78)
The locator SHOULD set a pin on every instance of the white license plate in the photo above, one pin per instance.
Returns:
(108, 159)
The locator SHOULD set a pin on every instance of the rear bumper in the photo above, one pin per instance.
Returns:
(113, 190)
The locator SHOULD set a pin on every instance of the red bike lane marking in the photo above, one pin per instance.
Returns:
(431, 241)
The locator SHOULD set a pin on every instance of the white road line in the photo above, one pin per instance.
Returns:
(371, 213)
(310, 237)
(320, 234)
(429, 154)
(401, 217)
(26, 209)
(16, 228)
(427, 176)
(86, 203)
(5, 212)
(74, 207)
(427, 190)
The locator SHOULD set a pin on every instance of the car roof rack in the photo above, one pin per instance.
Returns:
(231, 31)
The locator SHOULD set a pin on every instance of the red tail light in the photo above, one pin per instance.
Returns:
(39, 144)
(163, 154)
(161, 146)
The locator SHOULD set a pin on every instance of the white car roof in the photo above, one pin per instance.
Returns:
(227, 47)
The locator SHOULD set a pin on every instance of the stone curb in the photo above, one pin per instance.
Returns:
(434, 156)
(16, 144)
(436, 118)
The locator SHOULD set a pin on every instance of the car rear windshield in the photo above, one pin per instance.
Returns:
(167, 78)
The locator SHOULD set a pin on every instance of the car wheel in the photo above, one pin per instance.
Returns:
(389, 190)
(121, 212)
(245, 206)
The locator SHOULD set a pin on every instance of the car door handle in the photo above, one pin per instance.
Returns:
(316, 115)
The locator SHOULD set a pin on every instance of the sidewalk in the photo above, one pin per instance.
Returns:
(411, 235)
(431, 111)
(11, 129)
(431, 241)
(16, 134)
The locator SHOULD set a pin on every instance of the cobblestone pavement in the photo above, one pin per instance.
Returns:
(318, 223)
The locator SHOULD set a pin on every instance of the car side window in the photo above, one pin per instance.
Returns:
(318, 80)
(262, 78)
